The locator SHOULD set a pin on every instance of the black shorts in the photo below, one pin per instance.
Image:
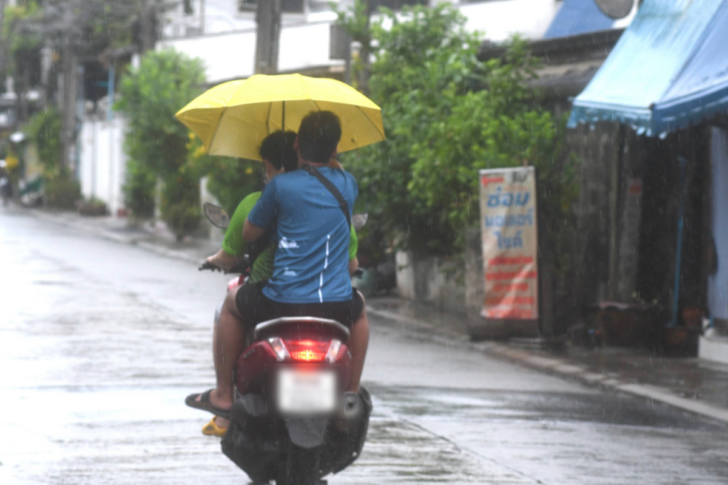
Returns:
(255, 307)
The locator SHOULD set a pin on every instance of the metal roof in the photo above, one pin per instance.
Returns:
(668, 70)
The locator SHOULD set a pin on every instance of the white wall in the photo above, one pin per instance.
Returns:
(103, 162)
(499, 20)
(229, 53)
(232, 56)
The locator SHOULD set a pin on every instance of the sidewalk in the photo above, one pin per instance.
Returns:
(153, 238)
(690, 384)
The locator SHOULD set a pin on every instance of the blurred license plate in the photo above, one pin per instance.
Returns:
(309, 391)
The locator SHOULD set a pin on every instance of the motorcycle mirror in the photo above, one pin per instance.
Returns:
(359, 221)
(216, 215)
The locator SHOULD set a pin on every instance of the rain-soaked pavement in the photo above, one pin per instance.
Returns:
(100, 342)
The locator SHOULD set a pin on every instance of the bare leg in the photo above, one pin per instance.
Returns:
(358, 343)
(228, 343)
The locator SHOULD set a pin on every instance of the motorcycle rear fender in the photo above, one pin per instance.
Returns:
(307, 433)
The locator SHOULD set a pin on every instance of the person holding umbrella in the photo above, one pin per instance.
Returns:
(309, 209)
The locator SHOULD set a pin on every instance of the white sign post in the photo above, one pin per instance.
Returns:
(510, 243)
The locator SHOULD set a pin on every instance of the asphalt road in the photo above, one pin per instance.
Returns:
(100, 343)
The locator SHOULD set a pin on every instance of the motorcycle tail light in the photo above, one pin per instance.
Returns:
(307, 350)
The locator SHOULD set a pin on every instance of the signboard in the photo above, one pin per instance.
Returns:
(510, 243)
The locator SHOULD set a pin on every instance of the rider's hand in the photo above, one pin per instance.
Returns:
(223, 260)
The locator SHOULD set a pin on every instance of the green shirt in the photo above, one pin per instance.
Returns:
(235, 245)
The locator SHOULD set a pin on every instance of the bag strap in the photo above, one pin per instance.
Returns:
(331, 188)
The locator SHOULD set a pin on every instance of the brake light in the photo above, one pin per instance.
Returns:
(305, 350)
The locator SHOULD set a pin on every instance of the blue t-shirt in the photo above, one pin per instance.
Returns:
(312, 258)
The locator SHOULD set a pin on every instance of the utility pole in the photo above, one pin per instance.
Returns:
(202, 17)
(3, 48)
(69, 90)
(365, 52)
(148, 22)
(268, 18)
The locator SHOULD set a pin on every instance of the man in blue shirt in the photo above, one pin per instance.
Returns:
(311, 272)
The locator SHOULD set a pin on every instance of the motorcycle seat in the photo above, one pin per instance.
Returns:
(301, 324)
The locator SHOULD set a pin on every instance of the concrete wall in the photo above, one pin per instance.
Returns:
(456, 287)
(103, 161)
(431, 281)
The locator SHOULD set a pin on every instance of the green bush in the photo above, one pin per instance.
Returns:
(150, 96)
(139, 188)
(231, 180)
(181, 204)
(44, 129)
(62, 192)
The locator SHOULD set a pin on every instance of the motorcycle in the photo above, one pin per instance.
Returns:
(291, 421)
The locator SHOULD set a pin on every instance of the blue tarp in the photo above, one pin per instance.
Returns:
(668, 70)
(578, 17)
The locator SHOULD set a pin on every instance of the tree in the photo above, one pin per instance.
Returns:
(150, 96)
(446, 116)
(75, 29)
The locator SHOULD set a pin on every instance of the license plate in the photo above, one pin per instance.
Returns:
(306, 391)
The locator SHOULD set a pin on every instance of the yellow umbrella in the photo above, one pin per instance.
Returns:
(233, 118)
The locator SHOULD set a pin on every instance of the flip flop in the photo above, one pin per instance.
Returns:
(212, 429)
(204, 404)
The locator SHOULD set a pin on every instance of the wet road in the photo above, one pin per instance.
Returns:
(100, 342)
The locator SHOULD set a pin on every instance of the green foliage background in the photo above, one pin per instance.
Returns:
(446, 116)
(156, 143)
(44, 129)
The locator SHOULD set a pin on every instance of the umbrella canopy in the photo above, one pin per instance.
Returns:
(233, 118)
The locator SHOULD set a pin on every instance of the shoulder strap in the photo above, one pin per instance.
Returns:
(331, 188)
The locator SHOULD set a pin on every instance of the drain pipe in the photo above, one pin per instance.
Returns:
(680, 223)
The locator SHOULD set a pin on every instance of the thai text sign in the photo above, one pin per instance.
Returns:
(510, 243)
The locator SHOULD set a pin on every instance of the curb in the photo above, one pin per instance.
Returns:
(565, 369)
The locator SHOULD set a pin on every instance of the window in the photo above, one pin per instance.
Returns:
(288, 6)
(188, 7)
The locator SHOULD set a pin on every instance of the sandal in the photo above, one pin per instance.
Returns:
(204, 404)
(212, 429)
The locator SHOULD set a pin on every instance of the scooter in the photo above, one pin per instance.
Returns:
(291, 421)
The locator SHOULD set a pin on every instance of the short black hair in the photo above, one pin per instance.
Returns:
(277, 148)
(319, 136)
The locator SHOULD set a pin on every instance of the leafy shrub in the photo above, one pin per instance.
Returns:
(181, 204)
(139, 188)
(62, 192)
(44, 129)
(92, 207)
(231, 180)
(150, 96)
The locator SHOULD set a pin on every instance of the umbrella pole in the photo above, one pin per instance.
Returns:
(283, 116)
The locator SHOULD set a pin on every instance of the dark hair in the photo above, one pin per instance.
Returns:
(319, 136)
(277, 148)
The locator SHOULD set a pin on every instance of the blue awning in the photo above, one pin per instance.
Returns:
(668, 70)
(578, 17)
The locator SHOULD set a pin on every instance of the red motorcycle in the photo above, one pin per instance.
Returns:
(291, 421)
